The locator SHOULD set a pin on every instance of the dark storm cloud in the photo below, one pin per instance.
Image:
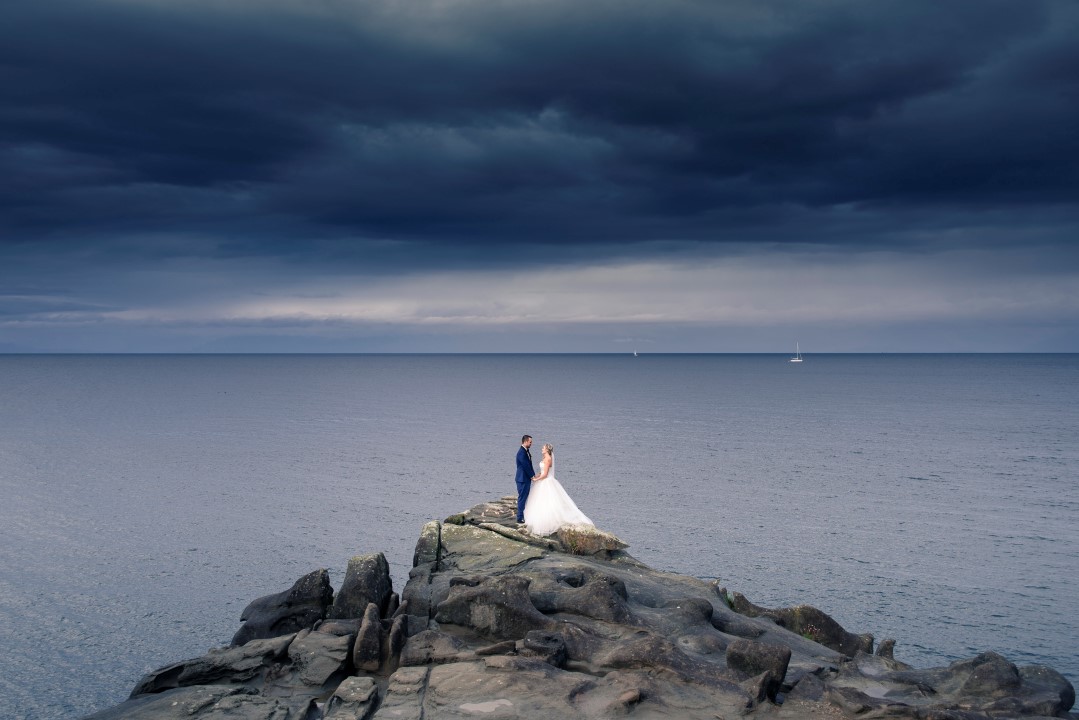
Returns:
(556, 121)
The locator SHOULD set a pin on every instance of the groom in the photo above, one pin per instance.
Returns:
(525, 473)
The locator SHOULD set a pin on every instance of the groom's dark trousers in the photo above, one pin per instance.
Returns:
(525, 472)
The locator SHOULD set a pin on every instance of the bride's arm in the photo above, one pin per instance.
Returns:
(544, 474)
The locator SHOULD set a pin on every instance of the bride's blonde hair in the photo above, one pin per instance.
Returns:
(549, 448)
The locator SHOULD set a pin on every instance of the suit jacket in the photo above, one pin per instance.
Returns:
(525, 471)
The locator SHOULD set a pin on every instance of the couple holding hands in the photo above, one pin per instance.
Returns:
(543, 505)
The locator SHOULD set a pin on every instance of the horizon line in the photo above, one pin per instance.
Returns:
(523, 354)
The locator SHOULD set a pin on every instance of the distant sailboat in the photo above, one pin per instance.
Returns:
(634, 353)
(797, 354)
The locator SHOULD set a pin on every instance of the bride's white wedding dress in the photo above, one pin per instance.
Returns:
(549, 507)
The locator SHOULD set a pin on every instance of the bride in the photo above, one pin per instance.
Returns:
(549, 507)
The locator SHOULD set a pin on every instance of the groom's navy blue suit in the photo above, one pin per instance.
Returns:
(525, 473)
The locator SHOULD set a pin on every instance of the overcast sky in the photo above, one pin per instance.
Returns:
(539, 175)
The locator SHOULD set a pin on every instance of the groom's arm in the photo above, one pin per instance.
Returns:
(524, 465)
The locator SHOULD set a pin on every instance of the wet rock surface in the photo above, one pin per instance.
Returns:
(495, 622)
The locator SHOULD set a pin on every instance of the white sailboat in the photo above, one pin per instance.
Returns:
(797, 354)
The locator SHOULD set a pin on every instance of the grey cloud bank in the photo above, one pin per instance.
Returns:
(460, 176)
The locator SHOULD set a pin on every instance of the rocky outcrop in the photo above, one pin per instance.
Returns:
(809, 622)
(754, 659)
(318, 657)
(284, 613)
(495, 622)
(986, 686)
(429, 546)
(431, 647)
(495, 608)
(201, 701)
(230, 666)
(354, 699)
(367, 580)
(500, 516)
(367, 653)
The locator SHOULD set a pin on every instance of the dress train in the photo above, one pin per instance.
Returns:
(550, 507)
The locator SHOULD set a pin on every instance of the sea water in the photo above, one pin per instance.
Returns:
(145, 500)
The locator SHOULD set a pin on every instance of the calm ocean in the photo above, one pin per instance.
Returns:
(145, 500)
